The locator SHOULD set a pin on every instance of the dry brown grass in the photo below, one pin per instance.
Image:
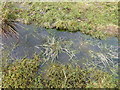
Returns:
(7, 18)
(110, 29)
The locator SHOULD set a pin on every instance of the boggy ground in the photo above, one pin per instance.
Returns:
(96, 19)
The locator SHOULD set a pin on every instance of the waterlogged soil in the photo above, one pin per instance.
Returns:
(85, 47)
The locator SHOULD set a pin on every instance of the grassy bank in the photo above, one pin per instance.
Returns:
(96, 19)
(23, 74)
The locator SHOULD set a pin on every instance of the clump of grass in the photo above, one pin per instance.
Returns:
(7, 22)
(53, 47)
(106, 58)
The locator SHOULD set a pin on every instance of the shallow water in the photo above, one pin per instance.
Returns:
(31, 37)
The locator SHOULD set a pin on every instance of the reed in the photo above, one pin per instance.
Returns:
(7, 20)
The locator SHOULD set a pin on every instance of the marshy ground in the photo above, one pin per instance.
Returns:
(42, 54)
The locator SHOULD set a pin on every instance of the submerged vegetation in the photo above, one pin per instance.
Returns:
(53, 47)
(98, 19)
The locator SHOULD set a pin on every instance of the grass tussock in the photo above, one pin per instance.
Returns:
(7, 22)
(54, 46)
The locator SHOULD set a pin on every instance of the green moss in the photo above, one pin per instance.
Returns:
(86, 17)
(23, 74)
(67, 76)
(61, 76)
(8, 11)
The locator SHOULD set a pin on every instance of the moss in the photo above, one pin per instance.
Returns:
(8, 11)
(20, 74)
(86, 17)
(68, 76)
(100, 79)
(61, 76)
(24, 74)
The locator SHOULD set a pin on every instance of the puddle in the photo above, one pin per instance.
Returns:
(84, 46)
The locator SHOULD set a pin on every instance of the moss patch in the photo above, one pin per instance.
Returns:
(24, 75)
(86, 17)
(21, 74)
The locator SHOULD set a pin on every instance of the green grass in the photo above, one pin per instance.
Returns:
(21, 74)
(98, 19)
(24, 74)
(89, 18)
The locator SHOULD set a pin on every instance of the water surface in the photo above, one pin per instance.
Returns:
(85, 47)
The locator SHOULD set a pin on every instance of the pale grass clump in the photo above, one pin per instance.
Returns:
(107, 59)
(53, 47)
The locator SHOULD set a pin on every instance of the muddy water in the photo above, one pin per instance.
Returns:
(31, 37)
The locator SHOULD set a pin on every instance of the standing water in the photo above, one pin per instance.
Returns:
(61, 46)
